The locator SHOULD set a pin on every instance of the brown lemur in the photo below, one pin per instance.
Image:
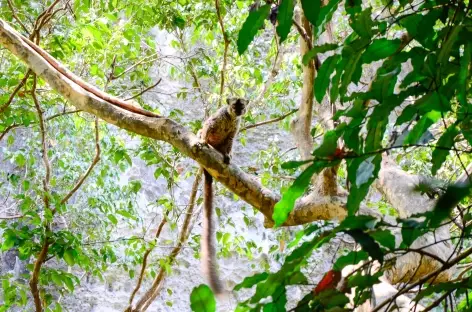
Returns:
(218, 131)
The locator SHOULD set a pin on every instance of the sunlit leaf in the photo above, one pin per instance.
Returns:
(251, 26)
(367, 243)
(250, 281)
(323, 76)
(283, 208)
(441, 151)
(451, 198)
(318, 49)
(311, 10)
(202, 299)
(284, 18)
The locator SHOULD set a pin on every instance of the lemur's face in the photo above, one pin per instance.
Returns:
(237, 105)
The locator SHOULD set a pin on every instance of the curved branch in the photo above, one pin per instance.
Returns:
(245, 186)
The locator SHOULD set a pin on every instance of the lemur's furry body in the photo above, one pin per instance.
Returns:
(218, 131)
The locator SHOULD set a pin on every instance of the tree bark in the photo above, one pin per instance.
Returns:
(307, 209)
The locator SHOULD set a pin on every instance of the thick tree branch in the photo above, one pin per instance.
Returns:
(165, 129)
(301, 125)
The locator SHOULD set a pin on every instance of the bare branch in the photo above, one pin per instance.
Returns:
(145, 90)
(225, 53)
(273, 73)
(153, 291)
(425, 278)
(11, 217)
(147, 59)
(4, 107)
(86, 86)
(144, 264)
(303, 34)
(245, 186)
(95, 160)
(13, 13)
(270, 120)
(14, 126)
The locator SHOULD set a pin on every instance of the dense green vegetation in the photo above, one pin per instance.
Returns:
(386, 85)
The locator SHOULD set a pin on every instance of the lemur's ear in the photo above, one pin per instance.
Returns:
(229, 101)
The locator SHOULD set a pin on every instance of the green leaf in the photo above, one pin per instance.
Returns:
(440, 153)
(360, 187)
(352, 57)
(69, 283)
(384, 237)
(9, 242)
(417, 23)
(379, 118)
(283, 208)
(446, 47)
(363, 23)
(367, 243)
(311, 10)
(279, 301)
(251, 26)
(421, 126)
(360, 222)
(380, 49)
(451, 198)
(112, 218)
(292, 164)
(334, 92)
(69, 256)
(202, 299)
(352, 258)
(353, 7)
(328, 146)
(326, 13)
(284, 17)
(364, 171)
(250, 281)
(323, 76)
(465, 62)
(364, 281)
(411, 230)
(318, 49)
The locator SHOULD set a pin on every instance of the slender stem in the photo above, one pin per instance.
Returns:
(225, 53)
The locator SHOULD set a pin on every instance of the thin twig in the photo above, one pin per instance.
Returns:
(42, 128)
(4, 107)
(270, 120)
(425, 278)
(153, 291)
(225, 53)
(145, 260)
(13, 13)
(274, 72)
(14, 126)
(303, 33)
(148, 59)
(11, 217)
(145, 90)
(44, 249)
(95, 160)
